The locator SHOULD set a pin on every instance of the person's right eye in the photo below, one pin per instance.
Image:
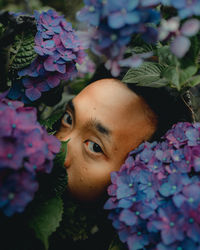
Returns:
(67, 119)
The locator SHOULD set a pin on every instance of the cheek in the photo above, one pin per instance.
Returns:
(88, 182)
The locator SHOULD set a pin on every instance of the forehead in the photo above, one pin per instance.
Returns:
(110, 102)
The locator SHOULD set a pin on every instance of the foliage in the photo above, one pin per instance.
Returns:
(44, 60)
(166, 72)
(46, 219)
(22, 52)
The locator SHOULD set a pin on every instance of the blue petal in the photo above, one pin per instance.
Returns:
(168, 236)
(49, 44)
(15, 91)
(132, 5)
(132, 17)
(165, 189)
(128, 217)
(178, 200)
(56, 29)
(178, 4)
(33, 94)
(116, 20)
(124, 191)
(124, 203)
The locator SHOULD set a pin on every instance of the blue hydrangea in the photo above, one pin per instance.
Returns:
(187, 8)
(17, 189)
(111, 26)
(156, 192)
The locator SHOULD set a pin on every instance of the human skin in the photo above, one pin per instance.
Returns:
(105, 122)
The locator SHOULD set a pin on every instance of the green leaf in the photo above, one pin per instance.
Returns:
(165, 56)
(142, 49)
(148, 74)
(46, 218)
(193, 81)
(22, 51)
(172, 75)
(51, 120)
(178, 77)
(116, 244)
(60, 157)
(185, 74)
(193, 53)
(59, 173)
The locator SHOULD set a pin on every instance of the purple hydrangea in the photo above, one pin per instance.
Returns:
(26, 149)
(58, 49)
(17, 189)
(111, 25)
(180, 34)
(156, 192)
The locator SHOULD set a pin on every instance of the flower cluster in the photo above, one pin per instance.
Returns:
(25, 150)
(171, 29)
(154, 197)
(111, 26)
(187, 8)
(58, 49)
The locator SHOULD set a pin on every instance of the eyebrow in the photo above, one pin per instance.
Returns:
(92, 123)
(97, 125)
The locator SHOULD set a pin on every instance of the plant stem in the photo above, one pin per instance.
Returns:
(187, 100)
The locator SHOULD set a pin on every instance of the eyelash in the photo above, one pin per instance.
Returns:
(69, 123)
(88, 143)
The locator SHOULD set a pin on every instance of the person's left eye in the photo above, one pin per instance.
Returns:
(93, 147)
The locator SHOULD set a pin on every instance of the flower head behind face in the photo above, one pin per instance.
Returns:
(156, 192)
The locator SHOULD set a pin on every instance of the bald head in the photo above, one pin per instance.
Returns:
(104, 122)
(122, 100)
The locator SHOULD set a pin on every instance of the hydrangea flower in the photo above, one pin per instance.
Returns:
(180, 34)
(58, 49)
(17, 189)
(170, 223)
(187, 8)
(111, 25)
(26, 149)
(156, 192)
(91, 12)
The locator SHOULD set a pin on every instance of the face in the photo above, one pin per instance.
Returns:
(103, 122)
